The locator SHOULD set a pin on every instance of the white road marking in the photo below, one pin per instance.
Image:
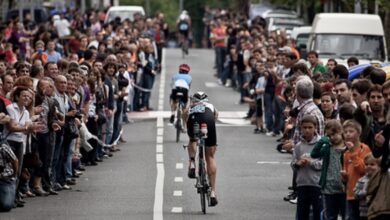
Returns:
(160, 122)
(159, 189)
(159, 148)
(177, 193)
(161, 102)
(160, 131)
(166, 114)
(273, 162)
(178, 179)
(159, 139)
(177, 210)
(159, 158)
(211, 84)
(158, 193)
(179, 165)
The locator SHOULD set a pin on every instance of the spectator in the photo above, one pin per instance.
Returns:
(308, 170)
(315, 66)
(353, 164)
(331, 64)
(352, 61)
(371, 166)
(343, 91)
(52, 55)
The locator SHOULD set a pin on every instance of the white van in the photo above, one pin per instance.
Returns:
(343, 35)
(123, 12)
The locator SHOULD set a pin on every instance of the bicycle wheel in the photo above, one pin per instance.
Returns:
(203, 200)
(178, 124)
(203, 191)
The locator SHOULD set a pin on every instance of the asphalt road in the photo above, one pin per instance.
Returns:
(147, 179)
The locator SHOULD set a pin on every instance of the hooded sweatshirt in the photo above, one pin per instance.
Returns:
(308, 175)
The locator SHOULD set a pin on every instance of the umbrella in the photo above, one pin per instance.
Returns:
(356, 70)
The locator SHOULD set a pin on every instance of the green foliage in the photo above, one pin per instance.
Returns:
(170, 8)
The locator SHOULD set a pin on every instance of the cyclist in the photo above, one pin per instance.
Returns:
(183, 25)
(201, 111)
(181, 82)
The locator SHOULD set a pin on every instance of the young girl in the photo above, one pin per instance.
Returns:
(353, 164)
(371, 166)
(331, 148)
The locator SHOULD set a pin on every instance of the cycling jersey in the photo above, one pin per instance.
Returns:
(203, 112)
(181, 80)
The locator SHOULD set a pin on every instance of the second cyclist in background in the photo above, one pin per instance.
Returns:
(180, 83)
(183, 25)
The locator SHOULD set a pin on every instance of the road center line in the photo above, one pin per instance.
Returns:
(179, 166)
(178, 179)
(177, 193)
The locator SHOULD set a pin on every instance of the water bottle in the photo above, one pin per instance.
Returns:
(196, 128)
(203, 128)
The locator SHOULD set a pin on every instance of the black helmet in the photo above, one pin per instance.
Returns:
(199, 96)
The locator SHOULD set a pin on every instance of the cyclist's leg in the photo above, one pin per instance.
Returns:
(173, 103)
(191, 148)
(185, 108)
(211, 166)
(212, 173)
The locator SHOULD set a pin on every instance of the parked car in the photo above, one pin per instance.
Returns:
(282, 19)
(123, 12)
(301, 36)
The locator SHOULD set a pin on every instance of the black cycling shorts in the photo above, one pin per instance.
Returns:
(184, 33)
(183, 98)
(208, 118)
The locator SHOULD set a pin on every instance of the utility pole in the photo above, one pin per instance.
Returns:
(82, 6)
(358, 6)
(20, 7)
(181, 6)
(147, 3)
(376, 6)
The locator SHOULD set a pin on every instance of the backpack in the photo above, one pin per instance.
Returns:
(183, 25)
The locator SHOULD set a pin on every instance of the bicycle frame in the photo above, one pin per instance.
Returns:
(202, 184)
(179, 113)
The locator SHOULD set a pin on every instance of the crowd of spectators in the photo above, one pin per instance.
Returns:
(337, 129)
(65, 88)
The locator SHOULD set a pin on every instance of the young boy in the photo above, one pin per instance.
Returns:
(353, 164)
(331, 148)
(308, 171)
(371, 166)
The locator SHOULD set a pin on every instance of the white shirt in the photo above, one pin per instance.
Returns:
(21, 118)
(62, 27)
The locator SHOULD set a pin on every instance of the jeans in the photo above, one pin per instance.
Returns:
(352, 211)
(46, 143)
(68, 146)
(147, 83)
(334, 205)
(221, 55)
(309, 196)
(57, 157)
(268, 106)
(109, 127)
(228, 72)
(279, 116)
(7, 194)
(118, 118)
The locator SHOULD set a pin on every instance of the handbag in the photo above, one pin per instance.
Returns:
(378, 199)
(71, 129)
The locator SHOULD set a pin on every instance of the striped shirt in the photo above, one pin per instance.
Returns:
(308, 108)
